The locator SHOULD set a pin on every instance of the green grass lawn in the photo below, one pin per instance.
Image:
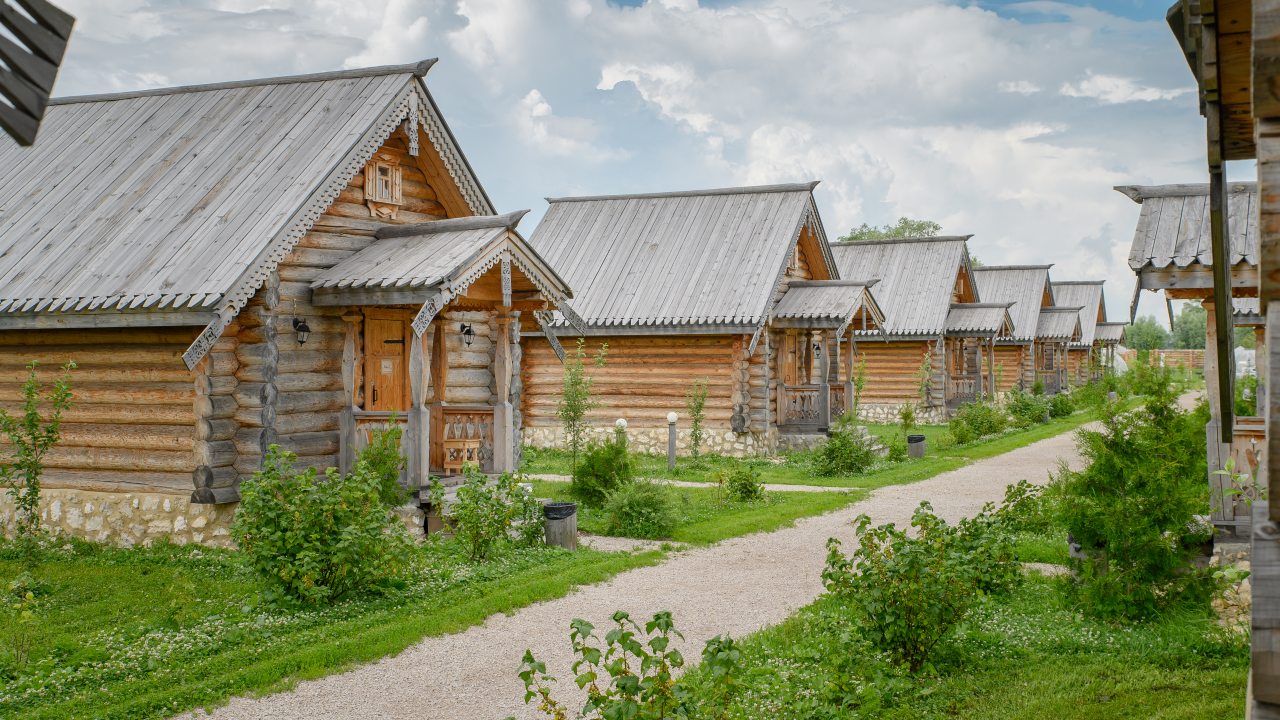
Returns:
(1023, 658)
(147, 633)
(704, 516)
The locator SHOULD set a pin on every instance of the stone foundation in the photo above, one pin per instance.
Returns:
(887, 413)
(654, 440)
(128, 519)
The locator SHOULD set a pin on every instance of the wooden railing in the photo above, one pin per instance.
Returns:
(838, 405)
(461, 434)
(801, 407)
(1231, 498)
(962, 388)
(1050, 380)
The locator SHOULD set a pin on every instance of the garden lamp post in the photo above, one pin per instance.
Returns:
(671, 441)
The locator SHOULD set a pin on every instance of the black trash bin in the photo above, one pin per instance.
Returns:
(561, 524)
(915, 446)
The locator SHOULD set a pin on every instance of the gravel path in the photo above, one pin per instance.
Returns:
(734, 587)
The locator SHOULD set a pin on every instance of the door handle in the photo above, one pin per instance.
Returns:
(375, 393)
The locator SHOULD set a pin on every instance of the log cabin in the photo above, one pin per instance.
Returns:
(735, 287)
(1056, 330)
(938, 339)
(288, 261)
(1084, 357)
(1027, 289)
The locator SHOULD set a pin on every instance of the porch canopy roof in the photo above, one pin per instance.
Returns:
(988, 320)
(1110, 333)
(1247, 312)
(1059, 324)
(827, 305)
(1092, 301)
(432, 263)
(1026, 286)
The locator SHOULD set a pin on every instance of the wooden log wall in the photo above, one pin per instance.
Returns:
(1011, 366)
(132, 425)
(470, 374)
(893, 370)
(291, 393)
(643, 379)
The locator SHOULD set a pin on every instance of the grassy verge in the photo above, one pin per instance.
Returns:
(149, 633)
(705, 517)
(1025, 658)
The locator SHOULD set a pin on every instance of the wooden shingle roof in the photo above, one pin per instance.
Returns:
(1061, 324)
(1024, 286)
(152, 204)
(917, 278)
(1087, 295)
(1173, 227)
(709, 258)
(831, 304)
(1110, 332)
(979, 319)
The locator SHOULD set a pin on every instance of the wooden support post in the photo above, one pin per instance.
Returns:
(847, 371)
(504, 441)
(416, 444)
(347, 418)
(823, 341)
(1218, 451)
(979, 391)
(1260, 367)
(202, 476)
(991, 368)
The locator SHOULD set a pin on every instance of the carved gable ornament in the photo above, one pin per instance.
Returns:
(382, 186)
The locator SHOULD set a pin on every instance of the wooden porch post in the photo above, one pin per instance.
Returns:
(823, 341)
(417, 442)
(1260, 367)
(978, 384)
(347, 418)
(847, 371)
(504, 449)
(1218, 451)
(991, 367)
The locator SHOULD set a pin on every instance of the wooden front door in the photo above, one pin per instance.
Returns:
(386, 360)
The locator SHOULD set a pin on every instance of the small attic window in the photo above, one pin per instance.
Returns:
(382, 185)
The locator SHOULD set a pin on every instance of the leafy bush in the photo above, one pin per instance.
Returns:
(1132, 510)
(1246, 400)
(912, 589)
(605, 468)
(640, 510)
(318, 539)
(741, 482)
(897, 449)
(382, 457)
(488, 513)
(29, 437)
(1096, 394)
(632, 675)
(1027, 410)
(846, 452)
(1061, 405)
(977, 420)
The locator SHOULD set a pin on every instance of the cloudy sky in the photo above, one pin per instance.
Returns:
(1008, 120)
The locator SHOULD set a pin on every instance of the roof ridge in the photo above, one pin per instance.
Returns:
(418, 69)
(1077, 282)
(1138, 193)
(1061, 308)
(833, 283)
(472, 222)
(983, 305)
(740, 190)
(891, 241)
(980, 268)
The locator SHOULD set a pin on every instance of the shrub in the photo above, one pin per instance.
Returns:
(897, 448)
(640, 510)
(632, 675)
(977, 420)
(911, 589)
(318, 539)
(605, 468)
(1027, 410)
(487, 513)
(859, 382)
(1246, 400)
(1132, 510)
(29, 437)
(1061, 405)
(741, 482)
(1037, 388)
(846, 452)
(1095, 394)
(695, 403)
(382, 457)
(575, 397)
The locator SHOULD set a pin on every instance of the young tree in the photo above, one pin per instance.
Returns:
(30, 436)
(1245, 338)
(904, 228)
(1146, 334)
(695, 403)
(575, 397)
(1189, 327)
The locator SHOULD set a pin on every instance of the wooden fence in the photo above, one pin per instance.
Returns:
(1189, 359)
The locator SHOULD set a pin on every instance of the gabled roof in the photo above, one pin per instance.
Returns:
(979, 320)
(1110, 332)
(917, 278)
(1173, 227)
(831, 304)
(1022, 285)
(184, 199)
(1087, 294)
(1061, 324)
(412, 264)
(710, 258)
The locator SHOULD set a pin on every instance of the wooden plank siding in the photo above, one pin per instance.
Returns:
(1012, 367)
(132, 424)
(893, 370)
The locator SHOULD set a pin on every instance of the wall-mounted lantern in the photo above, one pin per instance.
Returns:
(468, 334)
(302, 329)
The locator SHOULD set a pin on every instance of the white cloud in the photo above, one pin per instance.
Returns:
(1113, 89)
(569, 137)
(1021, 87)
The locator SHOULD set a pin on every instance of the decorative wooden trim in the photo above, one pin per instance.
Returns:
(383, 205)
(430, 309)
(506, 280)
(442, 140)
(541, 317)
